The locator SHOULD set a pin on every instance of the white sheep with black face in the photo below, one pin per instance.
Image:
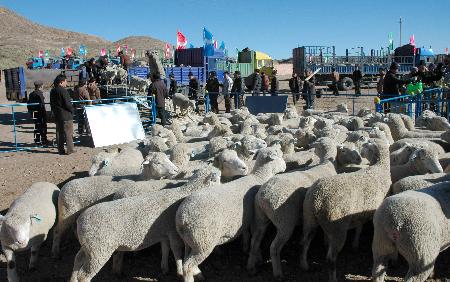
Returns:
(27, 223)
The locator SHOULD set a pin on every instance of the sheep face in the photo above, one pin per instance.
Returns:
(346, 155)
(230, 164)
(371, 152)
(250, 144)
(102, 160)
(426, 161)
(402, 155)
(272, 157)
(158, 166)
(18, 228)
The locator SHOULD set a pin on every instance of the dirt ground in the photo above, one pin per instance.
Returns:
(19, 170)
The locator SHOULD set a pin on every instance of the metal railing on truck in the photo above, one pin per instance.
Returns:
(20, 136)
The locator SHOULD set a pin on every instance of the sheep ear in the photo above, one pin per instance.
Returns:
(146, 162)
(2, 218)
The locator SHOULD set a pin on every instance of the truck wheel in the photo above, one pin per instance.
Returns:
(345, 84)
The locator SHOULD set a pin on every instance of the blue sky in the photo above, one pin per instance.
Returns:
(274, 27)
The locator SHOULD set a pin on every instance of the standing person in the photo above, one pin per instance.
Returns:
(125, 60)
(94, 92)
(38, 113)
(335, 81)
(391, 85)
(380, 83)
(81, 93)
(213, 88)
(238, 89)
(274, 84)
(172, 86)
(256, 83)
(159, 90)
(357, 76)
(265, 83)
(91, 68)
(226, 90)
(193, 89)
(294, 85)
(309, 90)
(62, 109)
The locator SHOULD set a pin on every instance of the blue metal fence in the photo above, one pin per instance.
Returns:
(21, 123)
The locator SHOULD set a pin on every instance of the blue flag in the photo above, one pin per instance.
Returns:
(63, 52)
(208, 42)
(222, 46)
(191, 46)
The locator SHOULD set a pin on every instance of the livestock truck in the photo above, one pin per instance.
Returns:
(325, 58)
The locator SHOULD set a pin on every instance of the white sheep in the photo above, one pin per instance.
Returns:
(27, 223)
(139, 84)
(109, 74)
(431, 121)
(132, 224)
(399, 130)
(183, 102)
(205, 220)
(79, 194)
(290, 113)
(417, 182)
(416, 225)
(121, 75)
(159, 130)
(345, 201)
(117, 162)
(280, 201)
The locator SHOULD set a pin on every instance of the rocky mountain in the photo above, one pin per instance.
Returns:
(21, 39)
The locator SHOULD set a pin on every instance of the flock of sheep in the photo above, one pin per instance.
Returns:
(205, 181)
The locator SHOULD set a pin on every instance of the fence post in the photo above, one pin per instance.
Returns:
(14, 127)
(153, 121)
(206, 103)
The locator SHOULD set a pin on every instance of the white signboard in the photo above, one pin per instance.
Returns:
(114, 124)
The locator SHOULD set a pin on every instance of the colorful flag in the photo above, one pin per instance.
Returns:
(126, 49)
(222, 46)
(117, 50)
(41, 54)
(167, 51)
(391, 41)
(412, 41)
(181, 40)
(208, 42)
(82, 50)
(63, 52)
(47, 54)
(103, 52)
(133, 53)
(446, 51)
(69, 51)
(215, 44)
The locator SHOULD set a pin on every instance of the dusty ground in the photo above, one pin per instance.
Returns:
(18, 170)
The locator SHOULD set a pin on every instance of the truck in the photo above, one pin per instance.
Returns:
(19, 82)
(325, 58)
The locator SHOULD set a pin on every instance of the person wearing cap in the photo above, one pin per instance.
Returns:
(94, 92)
(193, 89)
(274, 84)
(213, 88)
(159, 90)
(38, 113)
(172, 86)
(391, 86)
(335, 81)
(81, 93)
(61, 104)
(238, 89)
(227, 85)
(256, 83)
(357, 76)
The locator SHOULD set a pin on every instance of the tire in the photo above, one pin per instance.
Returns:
(345, 84)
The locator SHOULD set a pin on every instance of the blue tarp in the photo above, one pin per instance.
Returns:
(266, 104)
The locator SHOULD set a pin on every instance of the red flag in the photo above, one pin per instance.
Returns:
(167, 51)
(41, 54)
(181, 40)
(215, 44)
(446, 51)
(133, 53)
(126, 49)
(117, 50)
(103, 52)
(69, 51)
(412, 41)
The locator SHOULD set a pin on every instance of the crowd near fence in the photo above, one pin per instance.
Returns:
(19, 132)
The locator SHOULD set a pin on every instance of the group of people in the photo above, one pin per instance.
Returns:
(304, 86)
(263, 83)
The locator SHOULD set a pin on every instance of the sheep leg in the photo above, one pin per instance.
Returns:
(60, 229)
(92, 265)
(309, 230)
(11, 265)
(419, 273)
(261, 223)
(383, 249)
(336, 243)
(355, 243)
(283, 235)
(190, 266)
(117, 263)
(78, 263)
(176, 244)
(165, 257)
(34, 257)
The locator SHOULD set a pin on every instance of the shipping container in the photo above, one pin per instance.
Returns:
(246, 69)
(246, 57)
(181, 74)
(189, 57)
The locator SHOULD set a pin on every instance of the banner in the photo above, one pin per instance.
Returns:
(412, 41)
(222, 46)
(391, 41)
(82, 50)
(181, 40)
(208, 42)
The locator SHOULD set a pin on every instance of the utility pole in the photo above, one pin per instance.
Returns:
(400, 22)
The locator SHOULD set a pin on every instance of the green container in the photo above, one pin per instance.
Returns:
(246, 57)
(223, 66)
(246, 69)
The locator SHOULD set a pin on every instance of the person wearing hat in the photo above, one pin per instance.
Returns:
(256, 83)
(38, 113)
(295, 84)
(357, 76)
(213, 88)
(274, 84)
(159, 90)
(392, 83)
(172, 86)
(81, 93)
(94, 92)
(226, 90)
(193, 89)
(238, 89)
(380, 83)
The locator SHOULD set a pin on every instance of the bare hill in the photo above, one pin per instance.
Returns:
(21, 38)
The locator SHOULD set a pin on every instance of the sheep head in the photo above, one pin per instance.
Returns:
(425, 161)
(271, 158)
(348, 155)
(207, 176)
(18, 226)
(230, 164)
(102, 160)
(157, 166)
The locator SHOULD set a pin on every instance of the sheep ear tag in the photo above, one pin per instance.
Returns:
(36, 217)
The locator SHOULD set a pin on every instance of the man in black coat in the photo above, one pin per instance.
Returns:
(238, 89)
(193, 89)
(38, 113)
(294, 85)
(357, 76)
(309, 89)
(274, 84)
(159, 90)
(256, 83)
(391, 85)
(213, 88)
(62, 108)
(173, 85)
